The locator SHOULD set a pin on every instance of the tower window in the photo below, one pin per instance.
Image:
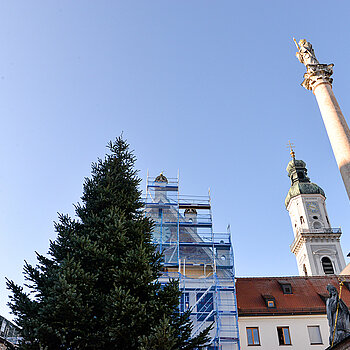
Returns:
(302, 220)
(305, 270)
(317, 225)
(327, 266)
(315, 217)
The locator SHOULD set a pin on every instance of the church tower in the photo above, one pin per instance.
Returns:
(316, 244)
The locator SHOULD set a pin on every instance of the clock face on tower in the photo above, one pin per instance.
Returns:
(312, 207)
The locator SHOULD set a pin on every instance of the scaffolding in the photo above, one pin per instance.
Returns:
(201, 259)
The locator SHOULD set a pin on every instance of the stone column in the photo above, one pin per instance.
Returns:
(337, 129)
(318, 79)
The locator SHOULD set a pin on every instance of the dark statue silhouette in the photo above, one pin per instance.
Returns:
(343, 318)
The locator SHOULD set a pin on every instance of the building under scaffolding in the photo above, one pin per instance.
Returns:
(201, 259)
(9, 333)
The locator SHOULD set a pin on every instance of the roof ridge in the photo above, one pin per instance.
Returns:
(292, 277)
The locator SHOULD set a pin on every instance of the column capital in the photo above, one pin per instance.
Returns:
(317, 74)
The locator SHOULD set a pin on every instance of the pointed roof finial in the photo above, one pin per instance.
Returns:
(291, 147)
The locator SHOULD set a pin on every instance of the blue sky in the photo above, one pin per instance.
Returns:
(211, 88)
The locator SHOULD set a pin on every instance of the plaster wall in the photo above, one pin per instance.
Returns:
(327, 248)
(297, 214)
(313, 251)
(297, 328)
(297, 208)
(303, 258)
(314, 248)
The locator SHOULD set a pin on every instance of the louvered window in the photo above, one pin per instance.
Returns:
(327, 266)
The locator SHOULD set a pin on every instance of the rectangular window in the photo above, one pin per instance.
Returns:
(270, 303)
(205, 307)
(253, 336)
(185, 302)
(314, 335)
(3, 326)
(284, 336)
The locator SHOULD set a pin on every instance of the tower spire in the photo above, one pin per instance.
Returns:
(291, 147)
(316, 244)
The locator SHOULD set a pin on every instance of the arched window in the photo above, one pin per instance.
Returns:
(327, 266)
(317, 225)
(305, 270)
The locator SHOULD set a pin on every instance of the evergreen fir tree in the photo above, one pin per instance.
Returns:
(97, 287)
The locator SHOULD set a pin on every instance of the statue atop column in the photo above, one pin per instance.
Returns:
(316, 73)
(338, 317)
(318, 79)
(305, 54)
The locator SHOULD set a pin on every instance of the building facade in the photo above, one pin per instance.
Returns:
(316, 244)
(9, 333)
(199, 258)
(277, 311)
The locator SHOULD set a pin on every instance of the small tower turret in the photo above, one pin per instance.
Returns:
(161, 183)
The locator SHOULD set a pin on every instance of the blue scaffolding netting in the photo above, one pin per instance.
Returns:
(201, 259)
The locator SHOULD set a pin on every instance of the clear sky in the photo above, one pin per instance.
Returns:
(211, 88)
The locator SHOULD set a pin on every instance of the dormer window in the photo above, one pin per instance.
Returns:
(286, 287)
(270, 301)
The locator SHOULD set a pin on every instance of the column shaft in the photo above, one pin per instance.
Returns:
(337, 129)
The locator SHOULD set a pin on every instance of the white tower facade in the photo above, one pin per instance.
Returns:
(316, 244)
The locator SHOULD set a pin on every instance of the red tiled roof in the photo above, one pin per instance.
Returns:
(306, 297)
